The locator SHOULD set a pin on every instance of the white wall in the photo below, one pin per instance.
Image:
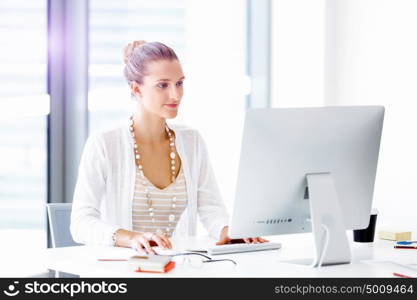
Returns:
(355, 52)
(372, 59)
(298, 48)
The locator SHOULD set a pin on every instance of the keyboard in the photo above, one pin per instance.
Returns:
(241, 247)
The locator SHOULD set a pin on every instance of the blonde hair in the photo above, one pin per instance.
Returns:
(138, 54)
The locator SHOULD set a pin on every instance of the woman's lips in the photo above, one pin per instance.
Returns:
(172, 105)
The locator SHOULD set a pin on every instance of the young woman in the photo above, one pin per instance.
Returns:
(148, 181)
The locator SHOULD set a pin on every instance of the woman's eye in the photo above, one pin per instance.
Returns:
(163, 85)
(180, 83)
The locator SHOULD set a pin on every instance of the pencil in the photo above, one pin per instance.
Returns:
(405, 247)
(401, 275)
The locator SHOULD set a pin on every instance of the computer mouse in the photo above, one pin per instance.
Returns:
(164, 251)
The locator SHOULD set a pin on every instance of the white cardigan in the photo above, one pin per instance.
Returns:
(104, 191)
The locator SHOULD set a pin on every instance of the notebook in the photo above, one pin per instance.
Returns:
(153, 263)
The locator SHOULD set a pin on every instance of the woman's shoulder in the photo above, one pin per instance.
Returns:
(109, 137)
(120, 135)
(191, 137)
(181, 127)
(186, 132)
(107, 134)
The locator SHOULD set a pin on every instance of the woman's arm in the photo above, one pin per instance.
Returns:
(86, 226)
(210, 205)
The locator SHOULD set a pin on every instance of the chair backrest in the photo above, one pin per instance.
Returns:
(59, 215)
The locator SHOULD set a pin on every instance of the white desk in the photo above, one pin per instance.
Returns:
(82, 260)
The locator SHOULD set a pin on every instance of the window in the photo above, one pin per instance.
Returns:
(24, 105)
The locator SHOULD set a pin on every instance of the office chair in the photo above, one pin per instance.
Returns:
(59, 216)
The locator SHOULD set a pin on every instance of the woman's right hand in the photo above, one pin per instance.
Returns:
(142, 241)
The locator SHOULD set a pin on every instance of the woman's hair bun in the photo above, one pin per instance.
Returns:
(138, 54)
(128, 50)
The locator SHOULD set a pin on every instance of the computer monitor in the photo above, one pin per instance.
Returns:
(308, 170)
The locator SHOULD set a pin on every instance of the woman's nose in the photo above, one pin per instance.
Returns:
(174, 94)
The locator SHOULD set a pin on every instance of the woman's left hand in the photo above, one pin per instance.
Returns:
(225, 239)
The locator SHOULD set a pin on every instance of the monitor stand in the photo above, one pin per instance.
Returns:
(329, 234)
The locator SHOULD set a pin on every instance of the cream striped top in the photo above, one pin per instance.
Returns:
(161, 203)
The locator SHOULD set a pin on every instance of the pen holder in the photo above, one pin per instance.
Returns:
(366, 235)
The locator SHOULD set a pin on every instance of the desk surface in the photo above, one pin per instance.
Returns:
(83, 261)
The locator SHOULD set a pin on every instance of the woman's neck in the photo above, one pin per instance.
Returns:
(149, 129)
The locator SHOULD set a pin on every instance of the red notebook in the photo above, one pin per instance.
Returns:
(169, 266)
(152, 263)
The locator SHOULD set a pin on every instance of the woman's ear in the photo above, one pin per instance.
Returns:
(136, 89)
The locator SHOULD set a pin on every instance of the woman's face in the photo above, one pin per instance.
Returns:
(162, 89)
